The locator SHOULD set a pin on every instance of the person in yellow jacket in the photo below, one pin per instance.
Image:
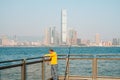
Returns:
(53, 57)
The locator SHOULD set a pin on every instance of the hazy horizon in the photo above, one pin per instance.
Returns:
(88, 17)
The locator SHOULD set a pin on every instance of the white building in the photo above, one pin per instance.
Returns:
(64, 27)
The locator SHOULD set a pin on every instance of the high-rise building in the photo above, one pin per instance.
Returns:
(78, 41)
(0, 41)
(64, 27)
(5, 41)
(47, 37)
(97, 39)
(116, 41)
(57, 38)
(52, 35)
(119, 41)
(72, 37)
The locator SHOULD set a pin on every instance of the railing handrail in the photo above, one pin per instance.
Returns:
(60, 55)
(11, 61)
(20, 59)
(63, 55)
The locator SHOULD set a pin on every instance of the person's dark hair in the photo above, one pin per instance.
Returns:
(51, 50)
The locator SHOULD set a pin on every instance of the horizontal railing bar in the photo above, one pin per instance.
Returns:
(77, 55)
(19, 60)
(34, 62)
(81, 58)
(91, 77)
(108, 55)
(60, 55)
(92, 58)
(10, 66)
(108, 58)
(11, 61)
(108, 77)
(27, 63)
(74, 54)
(75, 58)
(78, 76)
(34, 58)
(39, 61)
(61, 58)
(91, 55)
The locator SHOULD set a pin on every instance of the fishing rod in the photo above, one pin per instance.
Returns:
(68, 57)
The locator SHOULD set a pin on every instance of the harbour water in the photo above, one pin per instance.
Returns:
(11, 53)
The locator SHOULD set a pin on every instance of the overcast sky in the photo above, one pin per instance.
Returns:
(88, 17)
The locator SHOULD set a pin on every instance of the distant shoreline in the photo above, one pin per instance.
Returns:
(58, 46)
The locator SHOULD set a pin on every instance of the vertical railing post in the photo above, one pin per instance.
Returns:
(43, 69)
(94, 70)
(23, 70)
(67, 62)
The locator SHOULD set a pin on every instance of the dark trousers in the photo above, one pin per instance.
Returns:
(54, 72)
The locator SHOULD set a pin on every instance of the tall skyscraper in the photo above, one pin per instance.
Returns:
(64, 27)
(97, 39)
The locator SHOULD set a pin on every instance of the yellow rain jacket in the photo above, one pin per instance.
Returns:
(53, 57)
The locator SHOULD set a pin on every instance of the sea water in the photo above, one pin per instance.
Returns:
(11, 53)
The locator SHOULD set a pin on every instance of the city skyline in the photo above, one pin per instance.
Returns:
(52, 38)
(29, 18)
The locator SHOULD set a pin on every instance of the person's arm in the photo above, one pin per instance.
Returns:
(49, 55)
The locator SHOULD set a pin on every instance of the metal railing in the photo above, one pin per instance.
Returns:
(23, 63)
(90, 62)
